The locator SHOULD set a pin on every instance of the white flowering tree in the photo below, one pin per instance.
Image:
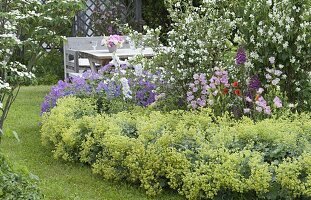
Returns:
(25, 26)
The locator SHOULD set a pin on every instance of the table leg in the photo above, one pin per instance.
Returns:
(105, 62)
(92, 65)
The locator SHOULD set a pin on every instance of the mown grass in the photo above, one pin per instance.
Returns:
(58, 180)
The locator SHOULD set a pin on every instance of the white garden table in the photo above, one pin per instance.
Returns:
(102, 57)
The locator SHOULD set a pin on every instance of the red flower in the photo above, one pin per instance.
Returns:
(235, 84)
(226, 90)
(237, 92)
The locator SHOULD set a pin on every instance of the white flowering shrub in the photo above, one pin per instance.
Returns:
(197, 42)
(280, 29)
(25, 26)
(206, 36)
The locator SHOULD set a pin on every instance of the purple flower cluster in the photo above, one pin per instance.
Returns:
(277, 102)
(254, 83)
(240, 57)
(145, 95)
(100, 85)
(55, 93)
(88, 84)
(261, 105)
(201, 89)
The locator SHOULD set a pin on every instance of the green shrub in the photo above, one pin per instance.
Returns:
(195, 153)
(16, 186)
(67, 125)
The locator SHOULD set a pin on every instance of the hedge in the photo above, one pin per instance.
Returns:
(195, 153)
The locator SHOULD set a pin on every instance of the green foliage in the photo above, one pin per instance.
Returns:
(195, 153)
(27, 27)
(17, 185)
(64, 126)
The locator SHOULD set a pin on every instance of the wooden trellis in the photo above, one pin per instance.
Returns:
(97, 18)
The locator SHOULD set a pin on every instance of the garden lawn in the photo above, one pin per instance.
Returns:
(58, 179)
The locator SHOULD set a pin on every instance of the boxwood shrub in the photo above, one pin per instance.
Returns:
(195, 153)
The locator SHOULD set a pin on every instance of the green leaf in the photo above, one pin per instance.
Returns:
(34, 177)
(16, 136)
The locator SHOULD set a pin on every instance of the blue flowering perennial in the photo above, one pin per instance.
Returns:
(109, 83)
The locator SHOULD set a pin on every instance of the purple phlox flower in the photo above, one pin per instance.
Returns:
(240, 57)
(260, 90)
(202, 77)
(217, 81)
(56, 92)
(275, 81)
(194, 104)
(196, 76)
(248, 99)
(101, 87)
(218, 73)
(106, 68)
(277, 102)
(201, 102)
(261, 102)
(205, 87)
(146, 95)
(212, 85)
(224, 79)
(259, 109)
(203, 82)
(190, 98)
(91, 75)
(254, 83)
(267, 110)
(124, 66)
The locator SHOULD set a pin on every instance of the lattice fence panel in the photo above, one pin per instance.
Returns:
(99, 15)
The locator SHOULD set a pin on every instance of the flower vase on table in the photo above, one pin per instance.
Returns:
(112, 48)
(113, 42)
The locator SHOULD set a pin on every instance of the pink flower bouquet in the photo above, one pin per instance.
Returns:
(113, 40)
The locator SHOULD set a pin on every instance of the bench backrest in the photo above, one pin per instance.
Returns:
(85, 43)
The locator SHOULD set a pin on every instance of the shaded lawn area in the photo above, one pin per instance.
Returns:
(58, 179)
